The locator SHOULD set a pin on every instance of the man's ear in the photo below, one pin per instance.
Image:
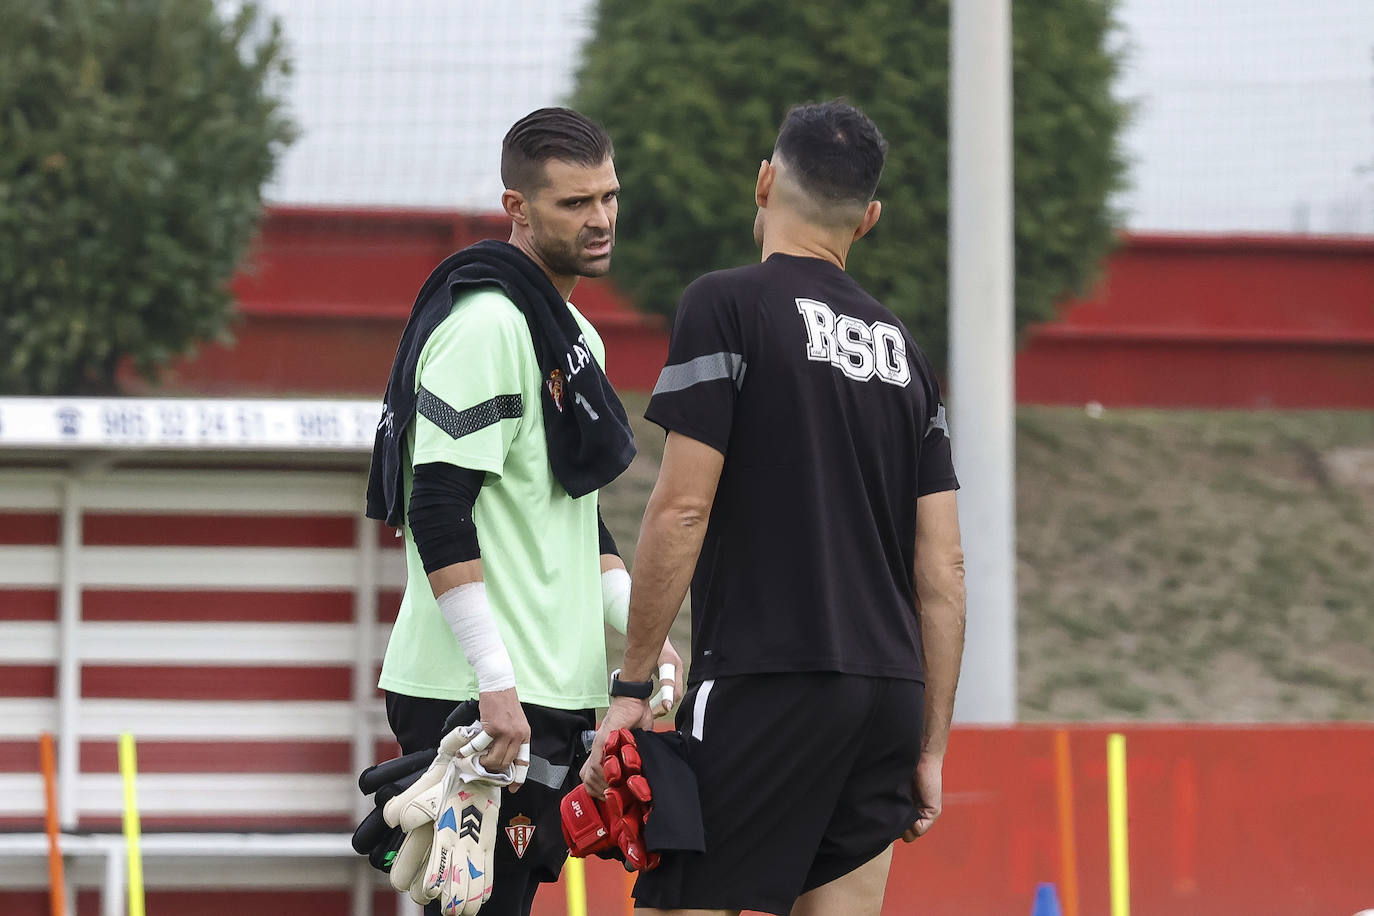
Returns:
(871, 214)
(764, 186)
(514, 203)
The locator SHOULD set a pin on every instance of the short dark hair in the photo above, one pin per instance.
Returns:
(550, 133)
(834, 149)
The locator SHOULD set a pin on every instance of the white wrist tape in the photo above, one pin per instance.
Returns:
(468, 615)
(615, 599)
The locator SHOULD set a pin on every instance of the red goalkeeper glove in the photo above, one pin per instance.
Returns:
(591, 827)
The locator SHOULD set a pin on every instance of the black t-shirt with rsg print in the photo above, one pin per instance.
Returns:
(830, 421)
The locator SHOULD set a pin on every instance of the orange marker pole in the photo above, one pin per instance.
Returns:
(57, 881)
(1068, 846)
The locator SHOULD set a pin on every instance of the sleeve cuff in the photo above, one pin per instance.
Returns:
(671, 425)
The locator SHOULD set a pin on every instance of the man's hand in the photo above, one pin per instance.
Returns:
(927, 784)
(504, 720)
(624, 712)
(669, 688)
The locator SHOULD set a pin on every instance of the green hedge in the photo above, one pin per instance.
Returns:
(135, 137)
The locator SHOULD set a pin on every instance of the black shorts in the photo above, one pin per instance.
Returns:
(804, 777)
(530, 848)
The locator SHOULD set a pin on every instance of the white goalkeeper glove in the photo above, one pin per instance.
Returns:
(408, 868)
(463, 855)
(416, 809)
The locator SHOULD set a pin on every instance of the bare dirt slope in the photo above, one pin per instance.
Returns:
(1200, 565)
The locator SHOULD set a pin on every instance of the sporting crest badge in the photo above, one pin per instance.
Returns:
(555, 385)
(520, 832)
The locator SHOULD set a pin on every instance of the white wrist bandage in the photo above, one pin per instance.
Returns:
(615, 599)
(468, 615)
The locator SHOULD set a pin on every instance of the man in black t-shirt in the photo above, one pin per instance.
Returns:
(808, 477)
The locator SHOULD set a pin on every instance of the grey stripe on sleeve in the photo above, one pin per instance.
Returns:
(938, 422)
(706, 368)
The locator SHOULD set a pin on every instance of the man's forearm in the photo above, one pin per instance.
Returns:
(669, 543)
(462, 598)
(454, 575)
(940, 607)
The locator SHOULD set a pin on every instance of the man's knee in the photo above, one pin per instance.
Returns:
(857, 893)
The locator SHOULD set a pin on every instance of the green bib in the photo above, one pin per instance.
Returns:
(539, 545)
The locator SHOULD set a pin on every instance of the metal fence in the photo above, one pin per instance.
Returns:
(1252, 115)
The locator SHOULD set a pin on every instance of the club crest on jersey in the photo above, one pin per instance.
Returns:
(520, 832)
(555, 385)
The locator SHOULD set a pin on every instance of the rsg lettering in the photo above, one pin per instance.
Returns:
(859, 350)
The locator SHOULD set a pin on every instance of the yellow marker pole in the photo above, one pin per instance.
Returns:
(576, 870)
(1116, 825)
(128, 768)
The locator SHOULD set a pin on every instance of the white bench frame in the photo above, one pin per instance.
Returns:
(66, 486)
(111, 848)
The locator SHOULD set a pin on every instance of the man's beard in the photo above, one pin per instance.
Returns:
(567, 259)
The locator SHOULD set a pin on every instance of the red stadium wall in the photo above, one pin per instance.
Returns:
(1187, 321)
(326, 293)
(1177, 321)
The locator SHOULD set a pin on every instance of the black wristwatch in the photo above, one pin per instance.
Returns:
(639, 690)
